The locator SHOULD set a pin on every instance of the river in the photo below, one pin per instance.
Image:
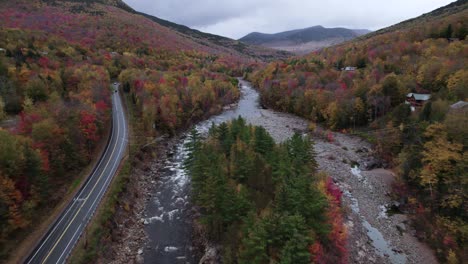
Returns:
(167, 215)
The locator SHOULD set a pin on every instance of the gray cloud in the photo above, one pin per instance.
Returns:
(198, 13)
(236, 18)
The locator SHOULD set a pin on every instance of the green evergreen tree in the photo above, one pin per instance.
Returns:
(448, 32)
(264, 143)
(254, 250)
(295, 250)
(193, 147)
(301, 151)
(242, 161)
(225, 138)
(425, 114)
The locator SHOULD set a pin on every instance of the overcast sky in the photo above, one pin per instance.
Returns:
(236, 18)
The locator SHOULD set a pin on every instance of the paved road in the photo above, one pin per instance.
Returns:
(58, 243)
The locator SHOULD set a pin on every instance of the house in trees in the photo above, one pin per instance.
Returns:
(417, 100)
(349, 68)
(460, 106)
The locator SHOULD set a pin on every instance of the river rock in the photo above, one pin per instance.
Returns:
(401, 227)
(210, 257)
(371, 163)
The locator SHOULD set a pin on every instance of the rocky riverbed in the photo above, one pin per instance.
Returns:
(129, 239)
(374, 236)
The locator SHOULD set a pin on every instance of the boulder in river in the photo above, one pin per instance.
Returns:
(371, 163)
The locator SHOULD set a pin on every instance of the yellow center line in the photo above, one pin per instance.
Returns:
(77, 212)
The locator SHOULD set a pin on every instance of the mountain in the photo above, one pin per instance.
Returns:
(127, 25)
(303, 40)
(254, 51)
(362, 31)
(444, 11)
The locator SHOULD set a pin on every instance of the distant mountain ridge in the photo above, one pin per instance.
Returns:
(362, 31)
(202, 37)
(303, 40)
(316, 33)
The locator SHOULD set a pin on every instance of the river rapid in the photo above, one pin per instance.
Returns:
(373, 235)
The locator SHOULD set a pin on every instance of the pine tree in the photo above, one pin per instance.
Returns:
(254, 250)
(263, 141)
(241, 161)
(301, 151)
(225, 138)
(192, 147)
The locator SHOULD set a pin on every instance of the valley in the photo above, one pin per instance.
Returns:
(128, 138)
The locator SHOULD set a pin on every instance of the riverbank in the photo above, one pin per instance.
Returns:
(374, 235)
(128, 239)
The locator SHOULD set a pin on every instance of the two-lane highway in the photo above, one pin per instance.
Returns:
(58, 243)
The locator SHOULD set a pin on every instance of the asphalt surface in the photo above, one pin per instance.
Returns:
(57, 244)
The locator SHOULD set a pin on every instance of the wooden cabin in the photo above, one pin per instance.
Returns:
(417, 100)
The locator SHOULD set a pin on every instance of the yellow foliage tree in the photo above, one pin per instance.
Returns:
(457, 84)
(439, 157)
(12, 198)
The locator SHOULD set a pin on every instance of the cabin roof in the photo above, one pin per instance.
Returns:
(459, 105)
(419, 97)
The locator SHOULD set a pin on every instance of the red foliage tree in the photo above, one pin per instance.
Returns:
(88, 126)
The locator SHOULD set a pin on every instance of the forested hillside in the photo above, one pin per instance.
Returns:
(427, 146)
(57, 60)
(190, 87)
(418, 59)
(112, 25)
(263, 202)
(59, 106)
(94, 25)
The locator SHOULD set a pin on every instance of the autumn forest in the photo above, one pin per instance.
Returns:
(262, 201)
